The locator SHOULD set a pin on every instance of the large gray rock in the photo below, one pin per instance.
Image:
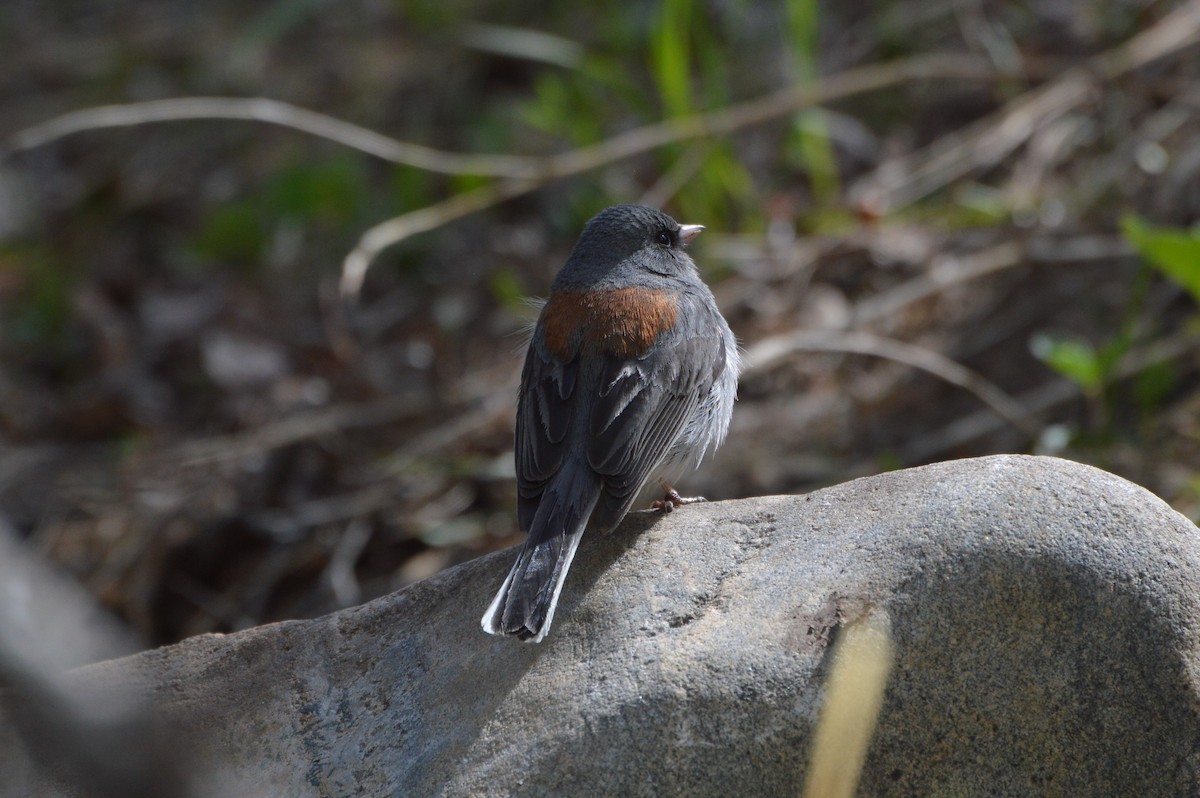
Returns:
(1045, 617)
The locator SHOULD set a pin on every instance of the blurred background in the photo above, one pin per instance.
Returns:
(981, 241)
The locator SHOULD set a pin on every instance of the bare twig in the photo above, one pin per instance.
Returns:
(644, 139)
(771, 350)
(726, 120)
(399, 228)
(290, 523)
(261, 109)
(1157, 127)
(521, 174)
(298, 428)
(492, 409)
(951, 270)
(342, 580)
(677, 176)
(931, 445)
(945, 272)
(904, 180)
(740, 116)
(1048, 148)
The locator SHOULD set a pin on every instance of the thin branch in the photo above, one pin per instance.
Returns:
(1157, 127)
(297, 428)
(730, 119)
(674, 178)
(644, 139)
(288, 524)
(276, 112)
(909, 178)
(944, 272)
(340, 571)
(431, 217)
(260, 109)
(497, 407)
(521, 174)
(932, 445)
(770, 351)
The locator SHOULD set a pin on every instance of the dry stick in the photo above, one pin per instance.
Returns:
(1048, 148)
(771, 350)
(951, 270)
(947, 272)
(311, 424)
(904, 180)
(984, 143)
(674, 179)
(898, 183)
(721, 122)
(522, 174)
(259, 109)
(944, 272)
(499, 405)
(1158, 126)
(340, 508)
(398, 228)
(754, 112)
(1038, 400)
(300, 427)
(340, 571)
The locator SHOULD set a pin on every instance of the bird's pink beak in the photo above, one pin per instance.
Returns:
(689, 231)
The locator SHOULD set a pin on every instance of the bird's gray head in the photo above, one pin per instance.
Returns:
(628, 244)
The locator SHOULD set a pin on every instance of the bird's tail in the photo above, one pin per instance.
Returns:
(525, 604)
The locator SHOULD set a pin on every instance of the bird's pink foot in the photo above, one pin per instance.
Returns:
(671, 499)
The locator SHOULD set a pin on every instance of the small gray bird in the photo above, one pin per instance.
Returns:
(631, 374)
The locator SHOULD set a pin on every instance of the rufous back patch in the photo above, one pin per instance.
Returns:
(623, 322)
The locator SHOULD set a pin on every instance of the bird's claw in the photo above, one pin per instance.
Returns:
(671, 499)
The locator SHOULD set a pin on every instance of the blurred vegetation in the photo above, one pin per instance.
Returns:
(195, 425)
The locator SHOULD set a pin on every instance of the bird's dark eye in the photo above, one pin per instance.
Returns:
(664, 238)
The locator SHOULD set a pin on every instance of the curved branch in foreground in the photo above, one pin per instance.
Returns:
(398, 228)
(518, 174)
(277, 112)
(261, 109)
(644, 139)
(770, 351)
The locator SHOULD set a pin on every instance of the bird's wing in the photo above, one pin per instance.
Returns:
(636, 409)
(643, 406)
(545, 409)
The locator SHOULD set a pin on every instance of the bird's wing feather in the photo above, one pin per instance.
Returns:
(545, 409)
(638, 409)
(641, 410)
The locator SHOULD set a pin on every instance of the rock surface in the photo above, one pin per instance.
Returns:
(1045, 617)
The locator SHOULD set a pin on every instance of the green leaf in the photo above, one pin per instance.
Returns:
(232, 232)
(803, 26)
(330, 191)
(1173, 252)
(670, 56)
(39, 310)
(809, 147)
(506, 287)
(1076, 360)
(1153, 385)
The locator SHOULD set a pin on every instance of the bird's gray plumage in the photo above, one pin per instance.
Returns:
(593, 426)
